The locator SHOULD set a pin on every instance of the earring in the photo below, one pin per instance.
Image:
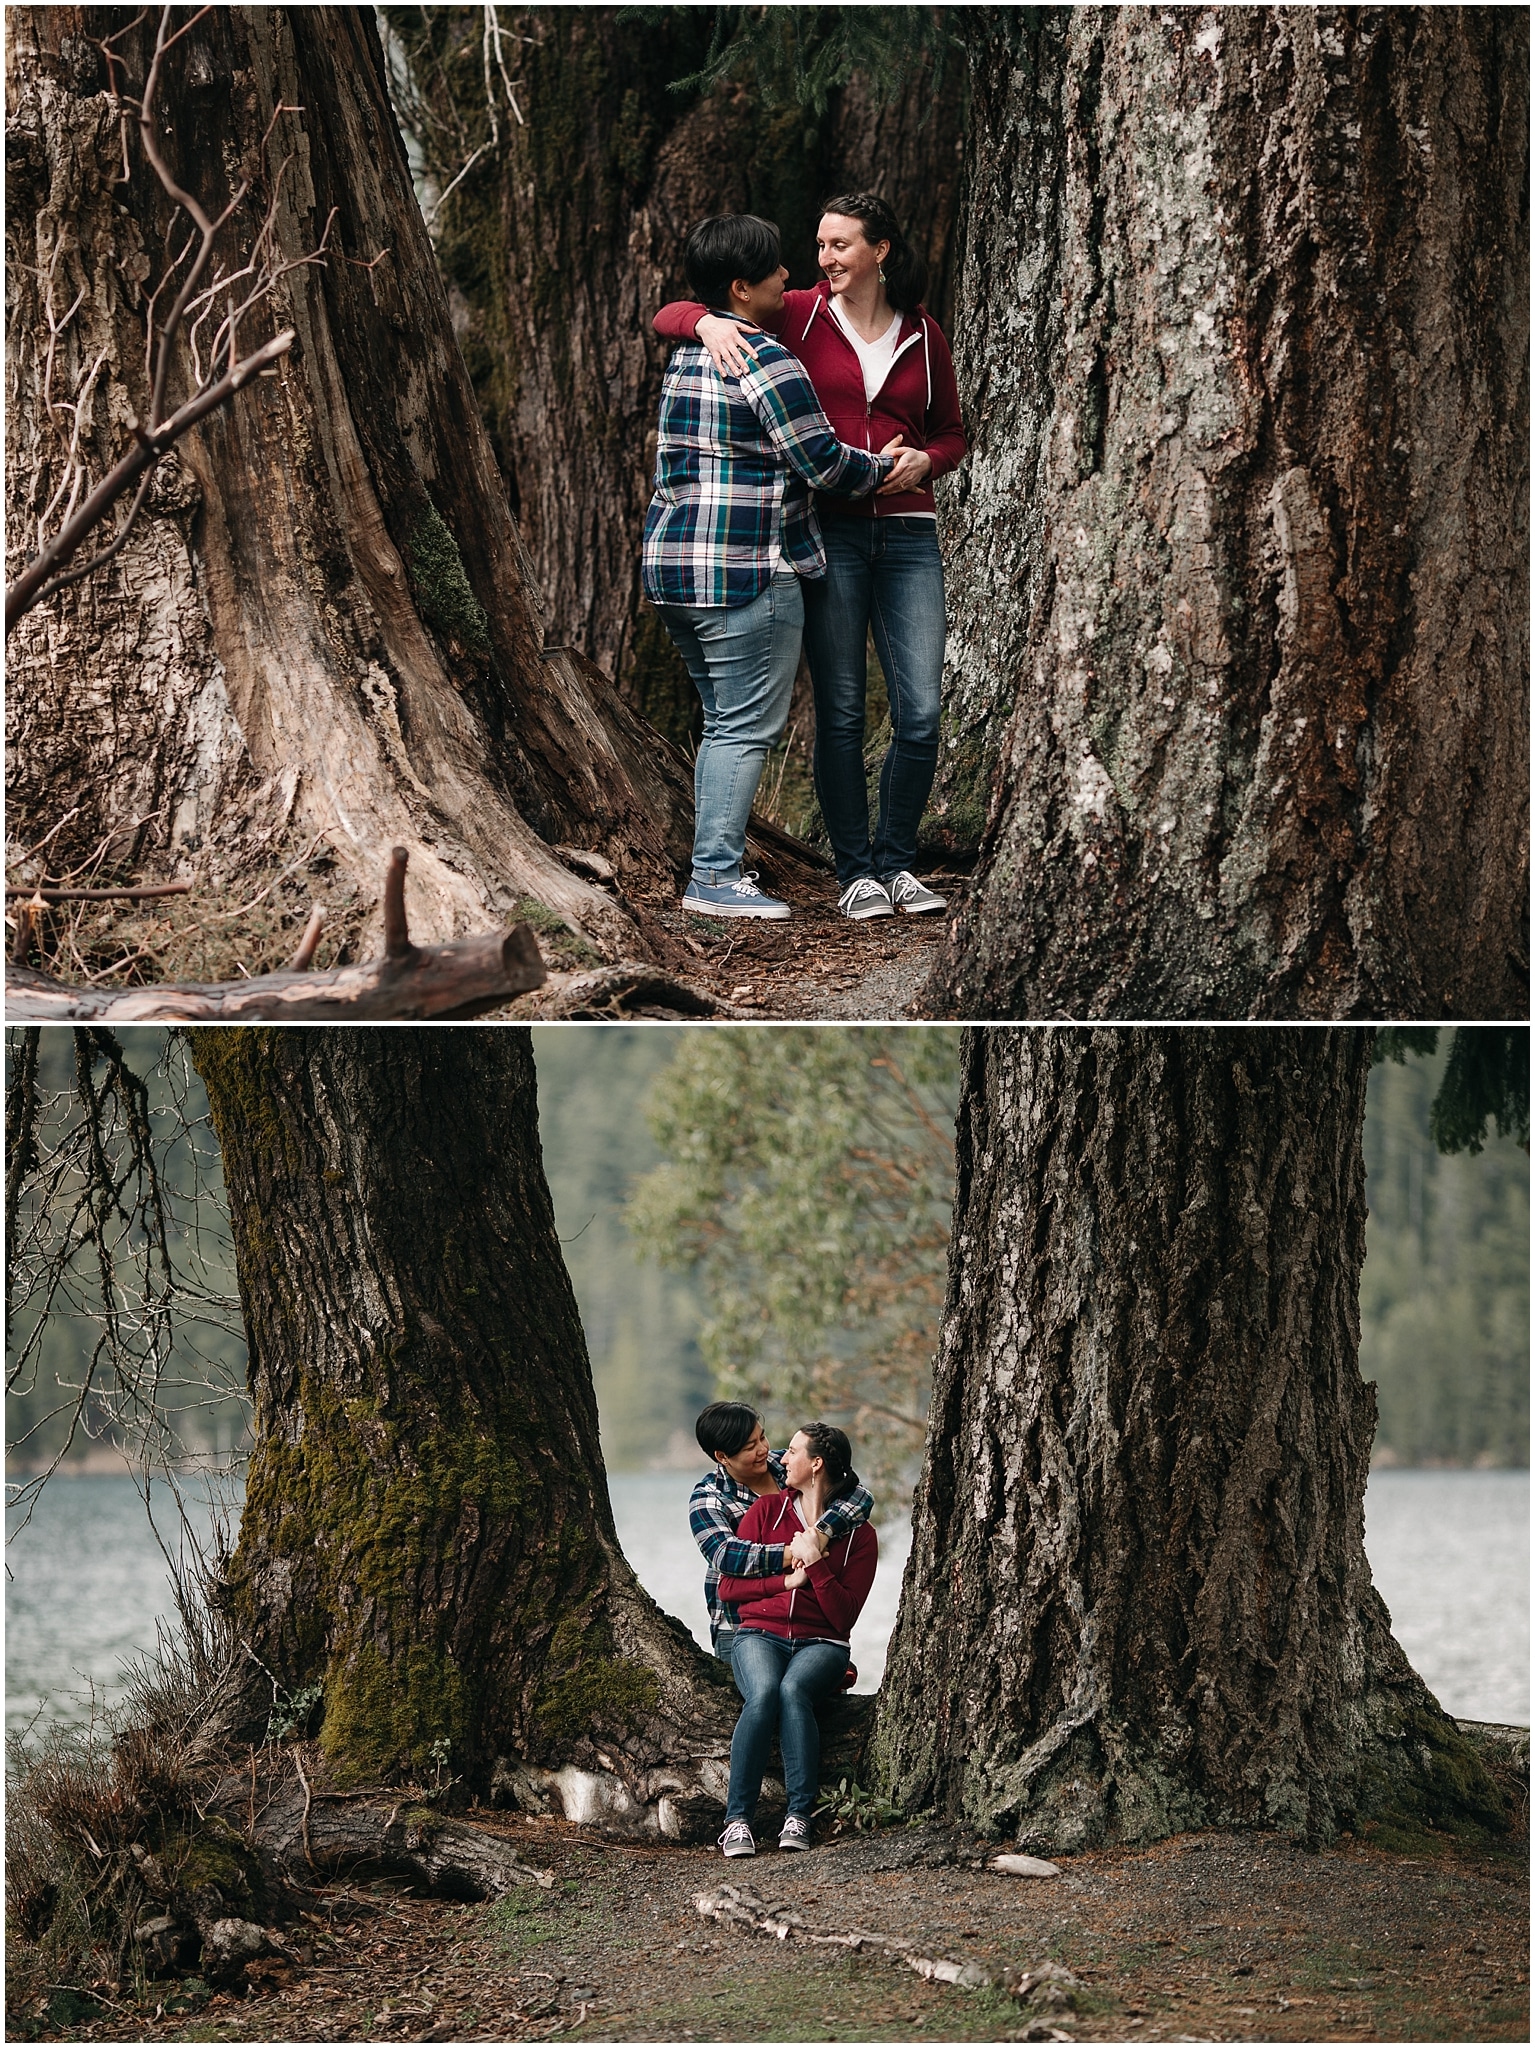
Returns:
(882, 278)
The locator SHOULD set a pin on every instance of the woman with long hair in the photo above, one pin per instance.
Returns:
(792, 1642)
(881, 369)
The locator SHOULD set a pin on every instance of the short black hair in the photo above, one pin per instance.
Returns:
(728, 246)
(725, 1426)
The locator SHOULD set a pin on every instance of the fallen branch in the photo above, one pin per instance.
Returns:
(463, 978)
(138, 894)
(623, 989)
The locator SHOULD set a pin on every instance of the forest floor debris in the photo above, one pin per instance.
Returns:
(817, 964)
(1210, 1937)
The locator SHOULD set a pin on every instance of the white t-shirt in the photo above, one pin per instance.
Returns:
(875, 357)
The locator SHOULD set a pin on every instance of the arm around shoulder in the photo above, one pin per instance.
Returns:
(678, 319)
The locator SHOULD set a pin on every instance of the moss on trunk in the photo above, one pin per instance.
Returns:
(427, 1534)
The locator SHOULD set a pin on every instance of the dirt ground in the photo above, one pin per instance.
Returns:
(816, 964)
(1209, 1937)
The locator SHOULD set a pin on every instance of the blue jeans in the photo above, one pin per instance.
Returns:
(884, 573)
(779, 1683)
(742, 660)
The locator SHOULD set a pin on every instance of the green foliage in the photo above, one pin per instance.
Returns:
(850, 1806)
(1444, 1297)
(1487, 1077)
(809, 1182)
(291, 1712)
(442, 586)
(799, 56)
(640, 1322)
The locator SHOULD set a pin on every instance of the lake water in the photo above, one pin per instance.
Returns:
(1450, 1552)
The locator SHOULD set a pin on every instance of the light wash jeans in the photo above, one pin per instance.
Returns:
(779, 1683)
(884, 573)
(742, 660)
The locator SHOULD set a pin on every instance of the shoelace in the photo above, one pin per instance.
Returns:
(857, 891)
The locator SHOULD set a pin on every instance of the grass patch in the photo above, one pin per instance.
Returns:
(561, 947)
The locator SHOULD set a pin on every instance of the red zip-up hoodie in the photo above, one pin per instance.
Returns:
(826, 1609)
(918, 399)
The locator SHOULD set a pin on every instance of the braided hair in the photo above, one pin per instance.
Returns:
(904, 271)
(825, 1441)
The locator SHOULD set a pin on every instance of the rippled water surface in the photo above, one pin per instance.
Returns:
(1450, 1552)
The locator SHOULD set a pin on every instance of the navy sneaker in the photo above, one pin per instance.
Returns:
(731, 899)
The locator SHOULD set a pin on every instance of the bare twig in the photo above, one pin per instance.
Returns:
(397, 945)
(49, 892)
(303, 959)
(225, 374)
(298, 1764)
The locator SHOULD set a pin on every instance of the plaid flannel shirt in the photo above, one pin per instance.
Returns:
(735, 463)
(715, 1508)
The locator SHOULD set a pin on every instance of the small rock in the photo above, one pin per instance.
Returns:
(1025, 1866)
(228, 1945)
(1047, 1984)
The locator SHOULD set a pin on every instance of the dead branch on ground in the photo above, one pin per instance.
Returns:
(463, 978)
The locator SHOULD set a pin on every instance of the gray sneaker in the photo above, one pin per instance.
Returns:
(741, 898)
(737, 1840)
(910, 895)
(865, 898)
(795, 1833)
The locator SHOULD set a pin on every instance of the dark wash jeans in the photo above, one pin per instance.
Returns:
(884, 573)
(779, 1683)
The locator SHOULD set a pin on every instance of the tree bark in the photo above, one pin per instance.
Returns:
(426, 1531)
(1138, 1599)
(1238, 563)
(324, 639)
(561, 246)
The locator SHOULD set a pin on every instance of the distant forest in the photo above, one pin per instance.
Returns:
(1444, 1300)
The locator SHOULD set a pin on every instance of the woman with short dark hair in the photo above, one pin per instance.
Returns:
(730, 539)
(745, 1468)
(794, 1633)
(881, 368)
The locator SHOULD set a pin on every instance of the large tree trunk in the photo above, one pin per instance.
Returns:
(1138, 1599)
(323, 639)
(427, 1531)
(1238, 563)
(561, 246)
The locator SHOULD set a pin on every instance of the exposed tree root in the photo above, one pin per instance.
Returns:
(1048, 1987)
(626, 989)
(304, 1833)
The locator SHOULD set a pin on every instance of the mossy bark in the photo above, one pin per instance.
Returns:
(1238, 565)
(1138, 1599)
(561, 247)
(322, 641)
(427, 1532)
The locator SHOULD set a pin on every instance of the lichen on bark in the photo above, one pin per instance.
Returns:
(1138, 1598)
(1238, 563)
